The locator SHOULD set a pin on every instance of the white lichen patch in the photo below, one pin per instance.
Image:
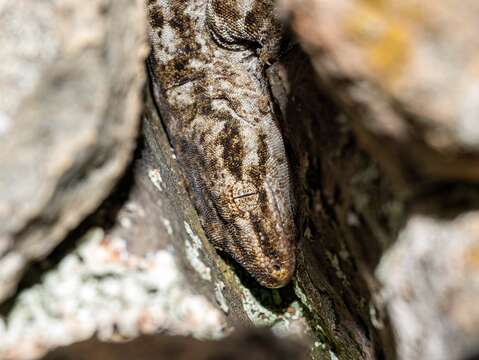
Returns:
(155, 177)
(302, 296)
(102, 289)
(192, 249)
(334, 260)
(332, 355)
(182, 94)
(256, 312)
(319, 345)
(196, 64)
(467, 128)
(288, 323)
(5, 123)
(220, 298)
(291, 323)
(167, 224)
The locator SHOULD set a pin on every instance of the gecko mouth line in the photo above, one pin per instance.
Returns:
(245, 195)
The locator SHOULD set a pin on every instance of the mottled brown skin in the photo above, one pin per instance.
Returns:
(208, 63)
(237, 23)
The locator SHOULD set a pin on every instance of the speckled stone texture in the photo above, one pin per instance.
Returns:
(430, 283)
(70, 82)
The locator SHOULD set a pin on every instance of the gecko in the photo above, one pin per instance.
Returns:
(208, 63)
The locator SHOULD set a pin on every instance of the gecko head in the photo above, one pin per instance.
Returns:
(251, 212)
(265, 230)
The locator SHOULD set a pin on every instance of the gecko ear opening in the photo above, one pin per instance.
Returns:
(245, 196)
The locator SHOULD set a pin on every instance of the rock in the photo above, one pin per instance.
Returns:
(341, 201)
(141, 265)
(430, 283)
(333, 180)
(408, 82)
(100, 288)
(252, 344)
(70, 82)
(347, 216)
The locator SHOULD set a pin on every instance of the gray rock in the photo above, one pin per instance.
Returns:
(405, 75)
(70, 85)
(430, 283)
(408, 82)
(253, 344)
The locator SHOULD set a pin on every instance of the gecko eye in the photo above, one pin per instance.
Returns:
(245, 195)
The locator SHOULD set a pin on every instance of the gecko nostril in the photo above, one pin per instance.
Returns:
(276, 267)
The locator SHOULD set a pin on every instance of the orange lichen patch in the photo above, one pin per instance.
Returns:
(384, 36)
(471, 257)
(388, 55)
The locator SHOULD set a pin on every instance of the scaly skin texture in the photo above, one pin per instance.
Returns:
(208, 61)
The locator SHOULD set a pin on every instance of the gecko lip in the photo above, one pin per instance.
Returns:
(278, 261)
(277, 278)
(274, 265)
(281, 277)
(266, 249)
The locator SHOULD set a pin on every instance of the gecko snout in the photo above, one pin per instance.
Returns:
(267, 234)
(281, 275)
(275, 233)
(277, 258)
(277, 274)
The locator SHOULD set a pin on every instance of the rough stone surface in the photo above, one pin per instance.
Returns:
(344, 229)
(70, 85)
(101, 289)
(142, 265)
(247, 344)
(407, 73)
(347, 217)
(431, 287)
(217, 277)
